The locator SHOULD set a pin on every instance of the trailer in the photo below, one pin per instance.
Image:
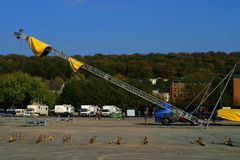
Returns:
(88, 110)
(64, 110)
(25, 113)
(42, 110)
(107, 110)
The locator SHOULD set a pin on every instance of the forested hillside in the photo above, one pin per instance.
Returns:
(84, 88)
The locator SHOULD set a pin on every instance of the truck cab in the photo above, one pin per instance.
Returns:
(166, 115)
(163, 115)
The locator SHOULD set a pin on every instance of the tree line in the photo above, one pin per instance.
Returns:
(49, 73)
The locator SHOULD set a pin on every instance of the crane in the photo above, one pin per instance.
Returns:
(41, 49)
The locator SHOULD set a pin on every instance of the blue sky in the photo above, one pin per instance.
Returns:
(88, 27)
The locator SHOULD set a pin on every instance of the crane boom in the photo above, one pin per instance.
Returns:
(122, 84)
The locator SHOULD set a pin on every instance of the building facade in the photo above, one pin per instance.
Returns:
(178, 89)
(182, 90)
(236, 90)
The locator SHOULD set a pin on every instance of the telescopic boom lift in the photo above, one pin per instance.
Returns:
(41, 49)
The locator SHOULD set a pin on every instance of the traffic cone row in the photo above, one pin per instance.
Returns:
(44, 137)
(226, 141)
(118, 140)
(15, 137)
(66, 138)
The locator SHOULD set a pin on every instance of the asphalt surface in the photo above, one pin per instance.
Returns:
(176, 141)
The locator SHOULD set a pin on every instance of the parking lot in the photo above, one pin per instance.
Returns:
(177, 141)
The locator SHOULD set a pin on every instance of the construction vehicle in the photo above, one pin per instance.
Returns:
(41, 49)
(166, 116)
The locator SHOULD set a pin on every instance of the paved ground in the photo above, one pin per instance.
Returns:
(165, 142)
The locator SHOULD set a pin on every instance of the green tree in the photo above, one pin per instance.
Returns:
(19, 89)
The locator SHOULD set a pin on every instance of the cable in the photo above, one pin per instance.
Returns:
(215, 88)
(203, 99)
(230, 75)
(196, 96)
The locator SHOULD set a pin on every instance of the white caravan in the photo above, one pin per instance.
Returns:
(25, 113)
(38, 109)
(89, 110)
(64, 110)
(109, 109)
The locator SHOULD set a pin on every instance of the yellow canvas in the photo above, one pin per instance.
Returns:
(229, 114)
(75, 65)
(38, 47)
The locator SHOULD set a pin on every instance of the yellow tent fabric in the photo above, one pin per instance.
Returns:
(75, 65)
(230, 114)
(38, 47)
